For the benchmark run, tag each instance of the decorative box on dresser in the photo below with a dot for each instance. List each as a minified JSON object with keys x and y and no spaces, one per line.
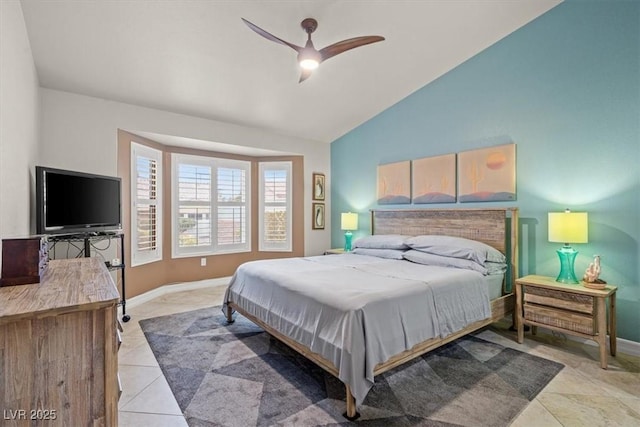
{"x":58,"y":347}
{"x":570,"y":308}
{"x":23,"y":260}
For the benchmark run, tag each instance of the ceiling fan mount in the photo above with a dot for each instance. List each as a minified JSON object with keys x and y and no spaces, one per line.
{"x":308,"y":56}
{"x":309,"y":25}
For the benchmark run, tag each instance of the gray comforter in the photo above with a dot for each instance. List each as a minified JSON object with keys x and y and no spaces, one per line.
{"x":357,"y":310}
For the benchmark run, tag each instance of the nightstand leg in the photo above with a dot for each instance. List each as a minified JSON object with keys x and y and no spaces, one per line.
{"x":602,"y":332}
{"x":519,"y":325}
{"x":612,"y":324}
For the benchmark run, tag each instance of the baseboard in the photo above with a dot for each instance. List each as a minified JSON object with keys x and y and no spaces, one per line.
{"x":628,"y":347}
{"x":631,"y":348}
{"x":178,"y":287}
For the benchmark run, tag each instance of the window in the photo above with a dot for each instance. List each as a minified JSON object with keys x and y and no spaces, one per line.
{"x":211,"y":205}
{"x":275,"y":206}
{"x":146,"y":210}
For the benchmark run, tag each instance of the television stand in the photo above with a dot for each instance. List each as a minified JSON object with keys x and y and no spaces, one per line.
{"x":88,"y":241}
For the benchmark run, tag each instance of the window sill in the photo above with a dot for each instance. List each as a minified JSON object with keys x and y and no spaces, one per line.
{"x":206,"y":254}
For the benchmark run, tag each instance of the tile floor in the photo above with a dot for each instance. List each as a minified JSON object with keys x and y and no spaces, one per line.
{"x":581,"y":395}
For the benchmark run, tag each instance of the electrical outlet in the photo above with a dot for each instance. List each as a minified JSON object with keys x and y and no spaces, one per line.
{"x":203,"y":262}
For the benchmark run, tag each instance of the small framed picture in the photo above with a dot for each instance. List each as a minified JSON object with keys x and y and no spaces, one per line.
{"x":318,"y":187}
{"x":318,"y":216}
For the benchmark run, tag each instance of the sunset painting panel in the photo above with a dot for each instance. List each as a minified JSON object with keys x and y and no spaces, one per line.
{"x":434,"y":179}
{"x":487,"y":174}
{"x":394,"y":183}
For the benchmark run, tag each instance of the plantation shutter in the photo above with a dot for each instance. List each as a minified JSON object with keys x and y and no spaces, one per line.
{"x":275,"y":206}
{"x":194,"y":210}
{"x":232,"y":210}
{"x":146,"y":204}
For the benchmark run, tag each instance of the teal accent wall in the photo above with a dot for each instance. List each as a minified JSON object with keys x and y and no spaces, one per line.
{"x":566,"y":90}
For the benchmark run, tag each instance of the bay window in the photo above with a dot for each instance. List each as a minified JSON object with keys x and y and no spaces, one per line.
{"x":210,"y":205}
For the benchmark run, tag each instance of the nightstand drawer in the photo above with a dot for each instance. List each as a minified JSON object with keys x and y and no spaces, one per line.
{"x":563,"y":319}
{"x":559,"y":299}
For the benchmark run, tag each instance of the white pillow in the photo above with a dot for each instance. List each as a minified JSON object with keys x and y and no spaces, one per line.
{"x":456,"y":247}
{"x":425,"y":258}
{"x":381,"y":241}
{"x":380,"y":253}
{"x":496,"y":267}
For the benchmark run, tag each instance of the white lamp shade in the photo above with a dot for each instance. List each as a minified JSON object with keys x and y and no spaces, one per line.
{"x":349,"y":221}
{"x":568,"y":227}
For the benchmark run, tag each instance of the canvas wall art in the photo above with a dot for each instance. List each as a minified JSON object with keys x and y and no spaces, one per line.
{"x":487,"y":174}
{"x":433,"y":179}
{"x":394,"y":183}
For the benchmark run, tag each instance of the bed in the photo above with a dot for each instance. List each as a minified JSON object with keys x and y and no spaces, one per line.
{"x":357,"y":316}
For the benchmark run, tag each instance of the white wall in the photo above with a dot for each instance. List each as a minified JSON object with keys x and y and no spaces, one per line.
{"x":80,"y":133}
{"x":19,"y":110}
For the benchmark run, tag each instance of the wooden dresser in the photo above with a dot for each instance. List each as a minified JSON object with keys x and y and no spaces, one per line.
{"x":58,"y":348}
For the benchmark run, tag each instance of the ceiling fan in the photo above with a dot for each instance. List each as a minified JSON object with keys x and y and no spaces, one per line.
{"x":308,"y":56}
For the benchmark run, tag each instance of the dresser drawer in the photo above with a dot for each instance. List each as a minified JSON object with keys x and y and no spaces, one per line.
{"x":559,"y":299}
{"x":562,"y":319}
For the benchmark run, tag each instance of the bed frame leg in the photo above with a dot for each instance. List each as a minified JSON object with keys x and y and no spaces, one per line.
{"x":230,"y":319}
{"x":351,"y":413}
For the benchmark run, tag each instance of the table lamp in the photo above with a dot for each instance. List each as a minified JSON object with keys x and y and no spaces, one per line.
{"x":568,"y":227}
{"x":349,"y":222}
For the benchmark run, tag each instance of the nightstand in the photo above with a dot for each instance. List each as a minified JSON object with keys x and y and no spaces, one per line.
{"x":572,"y":309}
{"x":335,"y":251}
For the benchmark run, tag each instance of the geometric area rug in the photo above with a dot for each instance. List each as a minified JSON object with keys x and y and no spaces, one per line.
{"x":237,"y":375}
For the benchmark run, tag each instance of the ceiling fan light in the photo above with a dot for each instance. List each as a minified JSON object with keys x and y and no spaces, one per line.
{"x":309,"y":58}
{"x":309,"y":64}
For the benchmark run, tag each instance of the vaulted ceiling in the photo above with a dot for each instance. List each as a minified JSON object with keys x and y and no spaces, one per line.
{"x":199,"y":58}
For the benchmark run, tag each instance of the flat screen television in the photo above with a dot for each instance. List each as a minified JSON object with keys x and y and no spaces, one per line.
{"x":69,"y":202}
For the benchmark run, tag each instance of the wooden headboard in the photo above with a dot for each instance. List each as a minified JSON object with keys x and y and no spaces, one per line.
{"x":485,"y":225}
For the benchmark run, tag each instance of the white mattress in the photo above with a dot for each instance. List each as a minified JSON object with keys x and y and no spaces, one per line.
{"x":494,"y":285}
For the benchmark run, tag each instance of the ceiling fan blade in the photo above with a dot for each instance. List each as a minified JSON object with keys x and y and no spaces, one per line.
{"x":304,"y":75}
{"x":339,"y":47}
{"x":270,"y":36}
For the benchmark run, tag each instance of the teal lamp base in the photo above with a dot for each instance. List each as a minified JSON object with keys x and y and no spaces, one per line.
{"x":348,"y":236}
{"x":567,"y":257}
